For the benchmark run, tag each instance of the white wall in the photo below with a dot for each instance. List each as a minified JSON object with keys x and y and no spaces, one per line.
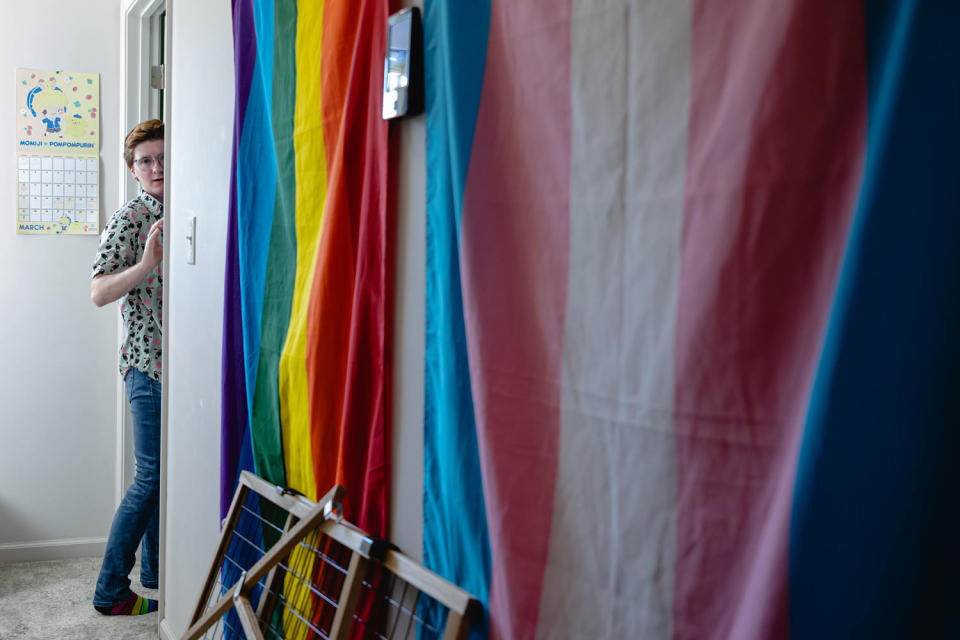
{"x":406,"y":522}
{"x":199,"y":145}
{"x":58,"y":351}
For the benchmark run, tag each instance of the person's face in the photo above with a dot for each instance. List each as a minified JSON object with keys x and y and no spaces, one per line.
{"x":147,"y":167}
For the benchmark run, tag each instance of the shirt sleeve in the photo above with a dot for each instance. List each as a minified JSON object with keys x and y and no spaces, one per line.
{"x":118,"y":244}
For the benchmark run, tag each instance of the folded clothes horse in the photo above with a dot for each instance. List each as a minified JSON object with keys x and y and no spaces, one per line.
{"x":286,"y":567}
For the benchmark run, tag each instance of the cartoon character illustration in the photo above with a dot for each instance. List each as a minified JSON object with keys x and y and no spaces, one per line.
{"x":75,"y":126}
{"x":48,"y":102}
{"x":64,"y":222}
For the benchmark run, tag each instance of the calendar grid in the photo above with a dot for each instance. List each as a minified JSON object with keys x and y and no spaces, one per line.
{"x":58,"y":194}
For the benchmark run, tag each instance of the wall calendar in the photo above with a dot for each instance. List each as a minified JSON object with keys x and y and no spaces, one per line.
{"x":58,"y":151}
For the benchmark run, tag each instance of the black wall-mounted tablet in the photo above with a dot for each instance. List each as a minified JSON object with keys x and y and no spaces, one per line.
{"x":403,"y":65}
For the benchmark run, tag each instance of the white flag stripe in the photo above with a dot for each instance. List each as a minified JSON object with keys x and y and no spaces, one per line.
{"x":610,"y":569}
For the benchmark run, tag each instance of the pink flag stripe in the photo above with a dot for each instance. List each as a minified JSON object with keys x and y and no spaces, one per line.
{"x":515,"y":239}
{"x":776,"y":144}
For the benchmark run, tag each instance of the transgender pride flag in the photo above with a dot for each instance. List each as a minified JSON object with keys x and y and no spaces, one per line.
{"x":693,"y":316}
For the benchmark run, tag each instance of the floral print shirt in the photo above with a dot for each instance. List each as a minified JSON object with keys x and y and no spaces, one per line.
{"x":121,"y":246}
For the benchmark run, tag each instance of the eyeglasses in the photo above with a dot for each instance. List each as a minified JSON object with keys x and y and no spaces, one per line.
{"x":146,"y":162}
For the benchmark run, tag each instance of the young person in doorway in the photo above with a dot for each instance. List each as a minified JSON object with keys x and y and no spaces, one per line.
{"x":128,"y":268}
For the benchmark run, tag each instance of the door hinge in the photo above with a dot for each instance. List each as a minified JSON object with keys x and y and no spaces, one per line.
{"x":156,"y":77}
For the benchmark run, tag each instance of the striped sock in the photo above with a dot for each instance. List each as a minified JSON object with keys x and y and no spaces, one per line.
{"x":133,"y":606}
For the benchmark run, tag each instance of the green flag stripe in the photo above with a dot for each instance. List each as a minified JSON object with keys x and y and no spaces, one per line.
{"x":282,"y":256}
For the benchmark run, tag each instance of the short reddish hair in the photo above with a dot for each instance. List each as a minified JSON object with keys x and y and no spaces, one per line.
{"x":146,"y":130}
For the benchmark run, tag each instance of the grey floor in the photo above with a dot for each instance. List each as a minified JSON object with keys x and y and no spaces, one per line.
{"x":52,"y":601}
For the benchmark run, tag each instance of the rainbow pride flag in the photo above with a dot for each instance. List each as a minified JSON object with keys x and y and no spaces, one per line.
{"x":307,"y":293}
{"x":693,"y":316}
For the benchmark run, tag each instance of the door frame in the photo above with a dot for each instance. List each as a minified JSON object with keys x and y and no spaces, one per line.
{"x":140,"y":34}
{"x":140,"y":51}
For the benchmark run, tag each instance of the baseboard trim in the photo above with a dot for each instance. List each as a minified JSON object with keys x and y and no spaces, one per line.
{"x":51,"y":549}
{"x":165,"y":632}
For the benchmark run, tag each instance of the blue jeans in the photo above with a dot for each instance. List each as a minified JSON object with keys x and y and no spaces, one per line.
{"x":138,"y":516}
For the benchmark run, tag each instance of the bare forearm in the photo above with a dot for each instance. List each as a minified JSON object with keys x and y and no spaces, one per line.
{"x":108,"y":288}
